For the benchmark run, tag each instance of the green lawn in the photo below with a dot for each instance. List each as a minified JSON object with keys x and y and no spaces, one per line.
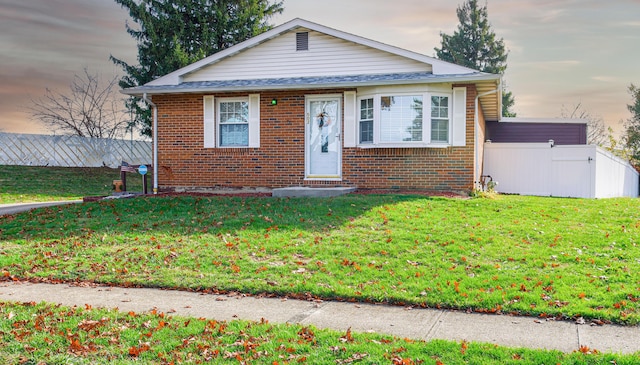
{"x":22,"y":184}
{"x":535,"y":256}
{"x":563,"y":258}
{"x":50,"y":334}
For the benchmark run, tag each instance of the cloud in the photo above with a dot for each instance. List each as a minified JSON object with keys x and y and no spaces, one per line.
{"x":18,"y":87}
{"x":628,"y":24}
{"x":409,"y":24}
{"x":44,"y":43}
{"x":605,"y":78}
{"x":550,"y":15}
{"x":62,"y":32}
{"x":551,"y":65}
{"x":19,"y":122}
{"x":582,"y":48}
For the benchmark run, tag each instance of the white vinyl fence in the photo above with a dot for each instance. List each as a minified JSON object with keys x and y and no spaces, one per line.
{"x":583,"y":171}
{"x":71,"y":151}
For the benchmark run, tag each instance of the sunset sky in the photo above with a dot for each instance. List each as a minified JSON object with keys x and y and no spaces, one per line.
{"x":561,"y":52}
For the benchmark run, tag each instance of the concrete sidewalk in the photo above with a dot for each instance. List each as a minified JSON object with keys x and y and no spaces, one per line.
{"x":426,"y":324}
{"x":6,"y":209}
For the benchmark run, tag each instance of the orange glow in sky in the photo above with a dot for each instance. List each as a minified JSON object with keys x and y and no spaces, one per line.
{"x":562,"y":52}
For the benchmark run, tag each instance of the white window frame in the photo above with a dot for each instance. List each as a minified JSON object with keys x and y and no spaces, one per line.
{"x":219,"y":124}
{"x":426,"y":120}
{"x":377,"y":102}
{"x":360,"y":120}
{"x":449,"y":97}
{"x":212,"y":126}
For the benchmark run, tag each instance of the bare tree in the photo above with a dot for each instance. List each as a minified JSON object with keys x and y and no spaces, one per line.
{"x":90,"y":109}
{"x":596,"y":130}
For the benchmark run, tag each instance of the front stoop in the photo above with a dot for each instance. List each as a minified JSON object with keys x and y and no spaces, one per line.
{"x":307,"y":192}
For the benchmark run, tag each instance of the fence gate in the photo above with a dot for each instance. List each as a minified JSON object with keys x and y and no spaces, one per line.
{"x":571,"y":173}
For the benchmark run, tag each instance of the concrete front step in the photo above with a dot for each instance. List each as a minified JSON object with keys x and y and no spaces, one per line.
{"x":303,"y":191}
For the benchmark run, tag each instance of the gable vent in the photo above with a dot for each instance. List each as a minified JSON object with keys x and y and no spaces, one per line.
{"x":302,"y":41}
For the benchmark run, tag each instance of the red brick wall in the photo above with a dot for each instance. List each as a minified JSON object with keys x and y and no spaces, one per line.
{"x":279,"y":162}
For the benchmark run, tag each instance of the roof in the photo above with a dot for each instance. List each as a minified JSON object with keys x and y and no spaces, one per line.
{"x":440,"y":71}
{"x":308,"y":82}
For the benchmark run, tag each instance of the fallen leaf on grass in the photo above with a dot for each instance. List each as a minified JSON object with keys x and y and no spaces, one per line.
{"x":135,"y":351}
{"x":76,"y":348}
{"x":587,"y":351}
{"x":88,"y":325}
{"x":347,"y":337}
{"x":353,"y":358}
{"x":464,"y":345}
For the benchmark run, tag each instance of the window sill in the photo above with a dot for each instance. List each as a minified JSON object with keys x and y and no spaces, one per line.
{"x":323,"y":178}
{"x":403,"y":145}
{"x":439,"y":145}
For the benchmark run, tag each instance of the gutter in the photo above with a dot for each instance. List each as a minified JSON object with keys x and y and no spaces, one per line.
{"x":478,"y":163}
{"x":154,"y":138}
{"x":247,"y":85}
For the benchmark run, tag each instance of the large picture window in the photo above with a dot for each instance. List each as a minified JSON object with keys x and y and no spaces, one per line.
{"x":401,"y":118}
{"x":233,"y":121}
{"x":384,"y":118}
{"x":397,"y":120}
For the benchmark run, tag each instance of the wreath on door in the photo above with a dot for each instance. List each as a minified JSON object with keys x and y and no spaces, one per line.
{"x":323,"y":121}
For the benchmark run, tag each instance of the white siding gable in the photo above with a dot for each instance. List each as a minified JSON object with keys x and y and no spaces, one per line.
{"x":327,"y":56}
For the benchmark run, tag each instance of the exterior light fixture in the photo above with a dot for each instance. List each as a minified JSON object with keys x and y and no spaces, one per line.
{"x":274,"y":101}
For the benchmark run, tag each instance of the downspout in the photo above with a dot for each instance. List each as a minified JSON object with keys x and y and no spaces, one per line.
{"x":155,"y":141}
{"x":478,"y":163}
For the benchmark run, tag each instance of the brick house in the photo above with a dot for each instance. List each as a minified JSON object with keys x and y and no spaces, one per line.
{"x":307,"y":105}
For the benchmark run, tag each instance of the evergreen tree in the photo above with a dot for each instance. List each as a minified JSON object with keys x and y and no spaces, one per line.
{"x":174,"y":33}
{"x":475,"y":45}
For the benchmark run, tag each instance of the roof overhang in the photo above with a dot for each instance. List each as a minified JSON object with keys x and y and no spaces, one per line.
{"x":488,"y":86}
{"x":306,"y":83}
{"x":490,"y":98}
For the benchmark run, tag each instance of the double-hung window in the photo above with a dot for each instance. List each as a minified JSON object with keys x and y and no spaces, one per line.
{"x":233,"y":122}
{"x":366,"y":121}
{"x":440,"y":119}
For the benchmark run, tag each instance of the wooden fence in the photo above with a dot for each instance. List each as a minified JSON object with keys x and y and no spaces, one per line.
{"x":70,"y":151}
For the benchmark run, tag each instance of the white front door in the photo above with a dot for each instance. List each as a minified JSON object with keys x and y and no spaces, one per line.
{"x":323,"y":147}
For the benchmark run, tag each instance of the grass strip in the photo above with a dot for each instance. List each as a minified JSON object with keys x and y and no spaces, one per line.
{"x":24,"y":184}
{"x":41,"y":333}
